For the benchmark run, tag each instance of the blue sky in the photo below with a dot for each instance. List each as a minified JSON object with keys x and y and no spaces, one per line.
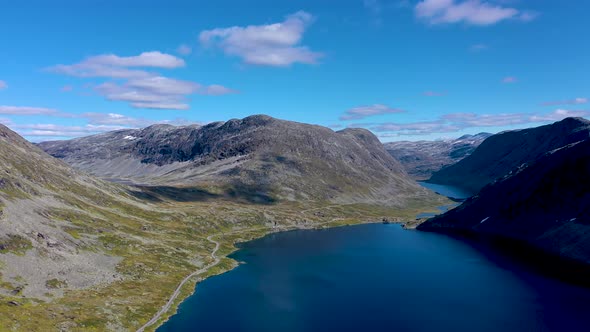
{"x":406,"y":70}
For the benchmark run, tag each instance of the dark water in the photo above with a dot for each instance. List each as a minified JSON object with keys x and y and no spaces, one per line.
{"x":379,"y":278}
{"x":449,"y":191}
{"x":441,"y":209}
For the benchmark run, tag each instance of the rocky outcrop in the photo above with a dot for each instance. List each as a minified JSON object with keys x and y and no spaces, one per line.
{"x":422,"y":158}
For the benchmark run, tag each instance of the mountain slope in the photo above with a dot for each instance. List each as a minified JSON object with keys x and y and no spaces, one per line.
{"x":545,"y":204}
{"x":32,"y":186}
{"x":78,"y":253}
{"x":504,"y":152}
{"x":259,"y":156}
{"x":422,"y":158}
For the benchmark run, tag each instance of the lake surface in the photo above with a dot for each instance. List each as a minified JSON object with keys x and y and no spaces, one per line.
{"x":378,"y":277}
{"x":449,"y":191}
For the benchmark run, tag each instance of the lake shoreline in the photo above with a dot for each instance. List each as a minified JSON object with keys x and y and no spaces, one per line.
{"x":268,"y":276}
{"x":173,"y":310}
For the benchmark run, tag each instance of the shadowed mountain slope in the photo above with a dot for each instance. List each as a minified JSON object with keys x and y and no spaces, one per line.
{"x":258,"y":155}
{"x":545,"y":203}
{"x":504,"y":152}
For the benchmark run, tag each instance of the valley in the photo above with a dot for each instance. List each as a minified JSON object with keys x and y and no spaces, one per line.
{"x":300,"y":166}
{"x":83,"y":252}
{"x":88,"y":250}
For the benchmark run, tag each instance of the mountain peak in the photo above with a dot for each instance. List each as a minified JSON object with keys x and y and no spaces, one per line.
{"x":572,"y":123}
{"x":261,"y":153}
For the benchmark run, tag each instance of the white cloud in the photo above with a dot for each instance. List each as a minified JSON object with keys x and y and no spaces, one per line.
{"x":146,"y":59}
{"x":142,"y":89}
{"x":509,"y":79}
{"x":478,"y":47}
{"x":164,"y":86}
{"x":161,"y":105}
{"x":53,"y":130}
{"x":96,"y":70}
{"x":275,"y":44}
{"x":157,"y":92}
{"x":96,"y":123}
{"x":362,"y":112}
{"x":114,"y":66}
{"x":115,"y":119}
{"x":575,"y":101}
{"x":454,"y":122}
{"x":67,"y":88}
{"x":559,"y":114}
{"x":184,"y":49}
{"x":474,"y":12}
{"x":3,"y":85}
{"x":217,"y":90}
{"x":26,"y":110}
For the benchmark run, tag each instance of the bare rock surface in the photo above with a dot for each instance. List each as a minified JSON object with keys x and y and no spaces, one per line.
{"x":258,"y":156}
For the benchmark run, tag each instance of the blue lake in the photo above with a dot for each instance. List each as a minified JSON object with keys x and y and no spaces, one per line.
{"x":378,"y":277}
{"x":449,"y":191}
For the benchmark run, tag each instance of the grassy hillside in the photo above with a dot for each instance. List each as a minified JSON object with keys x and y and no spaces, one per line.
{"x":78,"y":253}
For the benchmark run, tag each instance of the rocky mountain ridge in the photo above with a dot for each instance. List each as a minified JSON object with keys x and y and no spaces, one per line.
{"x":258,"y":154}
{"x":422,"y":158}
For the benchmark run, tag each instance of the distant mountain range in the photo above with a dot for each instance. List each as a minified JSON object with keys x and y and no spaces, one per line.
{"x":260,"y":156}
{"x":541,"y":195}
{"x":422,"y":158}
{"x":500,"y":154}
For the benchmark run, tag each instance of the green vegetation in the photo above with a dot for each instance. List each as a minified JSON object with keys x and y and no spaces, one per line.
{"x":15,"y":244}
{"x":155,"y":238}
{"x":160,"y":246}
{"x":56,"y":283}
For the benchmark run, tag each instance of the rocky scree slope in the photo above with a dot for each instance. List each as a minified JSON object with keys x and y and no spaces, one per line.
{"x":422,"y":158}
{"x":40,"y":251}
{"x":257,"y":156}
{"x":501,"y":153}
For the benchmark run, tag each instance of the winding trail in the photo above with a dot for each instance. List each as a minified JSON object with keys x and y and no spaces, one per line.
{"x":216,"y":261}
{"x":174,"y":295}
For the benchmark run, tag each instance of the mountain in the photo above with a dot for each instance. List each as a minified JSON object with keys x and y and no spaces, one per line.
{"x":422,"y":158}
{"x":507,"y":151}
{"x":545,"y":203}
{"x":79,"y":253}
{"x":259,"y":156}
{"x":40,"y":241}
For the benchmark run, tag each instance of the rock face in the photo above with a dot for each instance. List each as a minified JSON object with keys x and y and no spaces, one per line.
{"x":422,"y":158}
{"x":500,"y":154}
{"x":259,"y":155}
{"x":545,"y":203}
